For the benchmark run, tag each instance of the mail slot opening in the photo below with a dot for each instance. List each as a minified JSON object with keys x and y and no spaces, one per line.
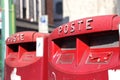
{"x":101,"y":39}
{"x":13,"y":48}
{"x":30,"y":46}
{"x":105,"y":40}
{"x":66,"y":43}
{"x":66,"y":50}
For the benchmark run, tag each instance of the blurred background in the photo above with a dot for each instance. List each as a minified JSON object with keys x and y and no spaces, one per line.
{"x":45,"y":15}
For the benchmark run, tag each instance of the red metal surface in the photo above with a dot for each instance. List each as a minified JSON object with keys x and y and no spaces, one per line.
{"x":85,"y":49}
{"x":21,"y":62}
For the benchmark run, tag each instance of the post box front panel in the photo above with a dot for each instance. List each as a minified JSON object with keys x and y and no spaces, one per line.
{"x":85,"y":53}
{"x":21,"y":59}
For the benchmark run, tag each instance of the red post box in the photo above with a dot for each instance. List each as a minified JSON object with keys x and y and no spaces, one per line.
{"x":85,"y":49}
{"x":26,"y":56}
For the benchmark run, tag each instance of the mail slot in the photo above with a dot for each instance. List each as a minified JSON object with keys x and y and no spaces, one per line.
{"x":85,"y":49}
{"x":26,"y":56}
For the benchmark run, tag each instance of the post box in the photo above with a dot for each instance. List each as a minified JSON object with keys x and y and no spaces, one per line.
{"x":26,"y":56}
{"x":85,"y":49}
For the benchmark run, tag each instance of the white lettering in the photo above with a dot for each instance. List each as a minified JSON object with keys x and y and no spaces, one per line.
{"x":60,"y":29}
{"x":88,"y":26}
{"x":21,"y":36}
{"x":79,"y":24}
{"x":14,"y":39}
{"x":17,"y":37}
{"x":66,"y":29}
{"x":72,"y":27}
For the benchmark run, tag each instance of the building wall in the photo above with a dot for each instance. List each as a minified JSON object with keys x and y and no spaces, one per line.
{"x":32,"y":10}
{"x":68,"y":11}
{"x":49,"y":11}
{"x":84,"y":8}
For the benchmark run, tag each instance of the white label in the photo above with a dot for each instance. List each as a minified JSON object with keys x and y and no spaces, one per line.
{"x":114,"y":74}
{"x":43,"y":24}
{"x":39,"y":47}
{"x":14,"y":75}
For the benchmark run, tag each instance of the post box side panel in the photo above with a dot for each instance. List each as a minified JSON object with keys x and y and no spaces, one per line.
{"x":45,"y":58}
{"x":26,"y":72}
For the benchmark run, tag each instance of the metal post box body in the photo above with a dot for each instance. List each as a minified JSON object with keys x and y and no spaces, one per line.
{"x":85,"y":49}
{"x":22,"y":59}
